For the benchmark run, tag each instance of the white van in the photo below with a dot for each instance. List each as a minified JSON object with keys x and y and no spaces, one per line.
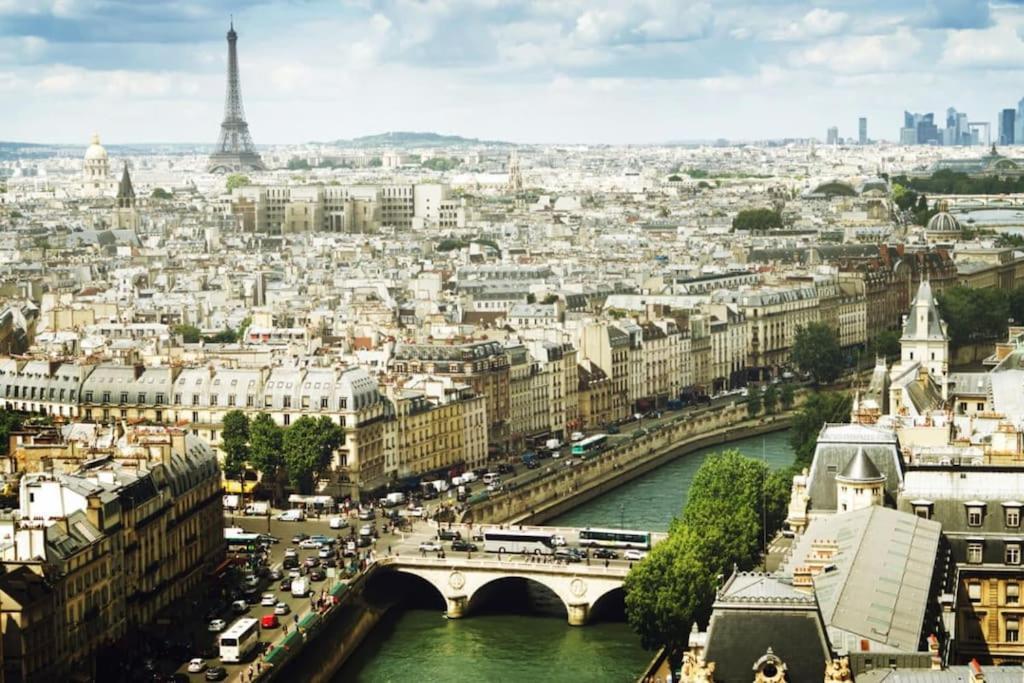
{"x":490,"y":477}
{"x":294,"y":515}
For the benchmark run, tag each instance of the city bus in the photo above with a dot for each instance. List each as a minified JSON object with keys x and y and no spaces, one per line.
{"x":510,"y":541}
{"x":615,"y":538}
{"x":241,"y":542}
{"x":590,"y":446}
{"x":239,"y":640}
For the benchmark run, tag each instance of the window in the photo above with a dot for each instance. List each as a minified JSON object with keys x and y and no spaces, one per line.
{"x":268,"y":401}
{"x":195,"y":399}
{"x":1012,"y":517}
{"x":124,"y":397}
{"x":974,"y":591}
{"x":213,"y":399}
{"x":195,"y":416}
{"x":1011,"y":554}
{"x":923,"y":511}
{"x":142,"y":398}
{"x":250,"y":401}
{"x":106,"y":397}
{"x":177,"y":399}
{"x":1012,"y":629}
{"x":323,"y":403}
{"x":342,"y":403}
{"x":981,"y":406}
{"x":287,"y":419}
{"x":975,"y":515}
{"x":287,"y":401}
{"x":159,"y":399}
{"x":305,"y":402}
{"x":963,"y":407}
{"x":231,"y":400}
{"x":974,"y":553}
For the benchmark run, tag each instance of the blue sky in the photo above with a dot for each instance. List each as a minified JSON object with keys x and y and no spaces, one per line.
{"x":610,"y":71}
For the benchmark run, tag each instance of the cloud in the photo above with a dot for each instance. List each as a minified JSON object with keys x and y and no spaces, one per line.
{"x":997,"y":47}
{"x":817,"y":23}
{"x":952,"y":14}
{"x":860,"y":54}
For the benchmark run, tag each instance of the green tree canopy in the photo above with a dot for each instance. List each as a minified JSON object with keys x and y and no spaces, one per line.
{"x":816,"y":351}
{"x":787,"y":396}
{"x":770,"y":399}
{"x":976,"y":314}
{"x":9,"y":422}
{"x":235,"y":442}
{"x":236,"y":180}
{"x":757,"y":220}
{"x":887,"y":344}
{"x":308,"y":447}
{"x":819,"y":408}
{"x":190,"y":334}
{"x":753,"y":402}
{"x":160,"y":193}
{"x":297,"y":164}
{"x":106,"y":239}
{"x":265,"y":441}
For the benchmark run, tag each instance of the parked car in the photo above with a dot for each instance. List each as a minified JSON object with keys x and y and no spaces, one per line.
{"x":634,"y":555}
{"x":430,"y":546}
{"x":196,"y":666}
{"x":459,"y":544}
{"x":291,"y":552}
{"x":216,"y":625}
{"x":282,"y":608}
{"x":268,"y":600}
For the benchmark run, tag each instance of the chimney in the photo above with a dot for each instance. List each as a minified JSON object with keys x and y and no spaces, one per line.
{"x":933,"y":650}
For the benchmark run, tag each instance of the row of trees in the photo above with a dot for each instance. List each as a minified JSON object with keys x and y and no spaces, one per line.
{"x":722,"y":526}
{"x":917,"y":204}
{"x":954,"y":182}
{"x":770,"y":399}
{"x":735,"y":503}
{"x":191,"y":334}
{"x":298,"y":454}
{"x":979,"y":314}
{"x":757,"y":220}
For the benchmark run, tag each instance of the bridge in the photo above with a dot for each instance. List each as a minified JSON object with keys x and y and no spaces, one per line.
{"x":458,"y":579}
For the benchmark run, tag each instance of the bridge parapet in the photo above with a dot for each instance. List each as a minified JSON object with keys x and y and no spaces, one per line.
{"x":458,"y":580}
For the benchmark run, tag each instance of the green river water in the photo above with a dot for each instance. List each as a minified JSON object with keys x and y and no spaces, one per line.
{"x":533,"y":642}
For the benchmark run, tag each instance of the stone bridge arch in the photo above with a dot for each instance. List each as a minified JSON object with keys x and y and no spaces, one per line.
{"x":579,"y":587}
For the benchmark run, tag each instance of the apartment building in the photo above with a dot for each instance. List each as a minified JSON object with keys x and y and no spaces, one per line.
{"x":608,"y":347}
{"x":529,"y":402}
{"x":559,"y":371}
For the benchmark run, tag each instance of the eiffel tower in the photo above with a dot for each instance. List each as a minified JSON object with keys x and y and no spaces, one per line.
{"x":235,"y":151}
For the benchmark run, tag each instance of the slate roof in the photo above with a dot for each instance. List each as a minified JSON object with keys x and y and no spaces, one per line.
{"x":953,"y":674}
{"x":879,"y":585}
{"x":837,"y":445}
{"x":930,"y":327}
{"x":860,"y":468}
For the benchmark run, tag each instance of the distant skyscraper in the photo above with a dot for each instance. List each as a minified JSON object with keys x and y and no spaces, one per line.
{"x":832,"y":138}
{"x":235,"y":151}
{"x":515,"y":176}
{"x":1018,"y":128}
{"x":1007,"y":126}
{"x":862,"y":130}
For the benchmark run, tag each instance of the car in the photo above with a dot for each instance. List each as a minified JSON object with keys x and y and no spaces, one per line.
{"x":366,"y":530}
{"x":311,"y":561}
{"x":634,"y":555}
{"x":448,"y":534}
{"x":364,"y":542}
{"x":196,"y":666}
{"x":216,"y":625}
{"x":611,"y":429}
{"x":291,"y":552}
{"x":216,"y":673}
{"x":286,"y":583}
{"x":274,"y":575}
{"x":415,"y":512}
{"x":569,"y":554}
{"x":290,"y":563}
{"x":268,"y":600}
{"x":349,"y":550}
{"x":330,"y":562}
{"x":430,"y":547}
{"x":239,"y":607}
{"x":282,"y":608}
{"x":269,"y":540}
{"x":317,"y":575}
{"x":298,"y":538}
{"x":605,"y":554}
{"x":366,"y":514}
{"x":269,"y":621}
{"x":532,"y":464}
{"x":505,"y":468}
{"x":459,"y":544}
{"x":308,"y":543}
{"x":337,"y":522}
{"x":322,"y":540}
{"x":291,"y":516}
{"x":324,"y":553}
{"x":293,"y":573}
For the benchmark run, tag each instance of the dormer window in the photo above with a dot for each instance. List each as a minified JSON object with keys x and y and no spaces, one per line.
{"x":975,"y":513}
{"x":1011,"y":514}
{"x":923,"y":508}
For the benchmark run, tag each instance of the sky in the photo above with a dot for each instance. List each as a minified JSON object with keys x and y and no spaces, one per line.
{"x":540,"y":71}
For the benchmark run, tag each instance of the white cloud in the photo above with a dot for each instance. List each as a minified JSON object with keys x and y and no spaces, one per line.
{"x":860,"y":54}
{"x":998,"y":46}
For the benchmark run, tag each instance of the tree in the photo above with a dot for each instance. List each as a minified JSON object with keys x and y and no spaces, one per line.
{"x":976,"y":314}
{"x":265,"y":440}
{"x":816,"y":351}
{"x":669,"y":590}
{"x":190,"y":334}
{"x":770,"y":399}
{"x":757,"y":220}
{"x":9,"y":422}
{"x":296,"y":164}
{"x":161,"y":193}
{"x":236,"y":180}
{"x":787,"y":396}
{"x":308,"y":448}
{"x":106,"y":239}
{"x":819,"y":408}
{"x":754,"y":402}
{"x":887,"y":344}
{"x":375,"y":162}
{"x":235,"y":442}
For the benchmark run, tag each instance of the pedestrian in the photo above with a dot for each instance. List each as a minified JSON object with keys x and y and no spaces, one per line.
{"x":389,"y":550}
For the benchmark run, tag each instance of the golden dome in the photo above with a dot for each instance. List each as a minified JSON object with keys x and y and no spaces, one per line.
{"x":95,"y":151}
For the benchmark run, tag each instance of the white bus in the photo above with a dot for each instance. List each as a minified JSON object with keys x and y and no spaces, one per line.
{"x":510,"y":541}
{"x":239,"y":640}
{"x":615,"y":538}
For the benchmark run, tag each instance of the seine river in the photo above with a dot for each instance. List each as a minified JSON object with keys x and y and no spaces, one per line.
{"x":420,"y":645}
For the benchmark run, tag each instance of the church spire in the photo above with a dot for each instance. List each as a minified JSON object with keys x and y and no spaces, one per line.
{"x":125,"y":191}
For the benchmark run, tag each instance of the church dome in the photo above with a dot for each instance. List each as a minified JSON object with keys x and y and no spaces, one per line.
{"x":96,"y":151}
{"x":943,"y":221}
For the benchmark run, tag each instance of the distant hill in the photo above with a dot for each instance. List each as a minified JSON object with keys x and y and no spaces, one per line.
{"x":412,"y":139}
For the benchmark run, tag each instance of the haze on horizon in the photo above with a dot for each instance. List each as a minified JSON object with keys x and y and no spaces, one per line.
{"x":605,"y":71}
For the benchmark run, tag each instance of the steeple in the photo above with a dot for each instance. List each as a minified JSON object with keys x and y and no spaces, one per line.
{"x":125,"y":191}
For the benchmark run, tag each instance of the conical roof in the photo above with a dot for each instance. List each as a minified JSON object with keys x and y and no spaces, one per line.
{"x":125,"y":191}
{"x":860,"y":469}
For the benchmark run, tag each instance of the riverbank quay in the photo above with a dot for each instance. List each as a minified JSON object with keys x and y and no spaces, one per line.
{"x":580,"y":481}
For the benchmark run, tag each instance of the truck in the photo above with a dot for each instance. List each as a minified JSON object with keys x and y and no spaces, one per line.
{"x":299,"y":587}
{"x":440,"y":485}
{"x":394,"y":499}
{"x":231,"y":501}
{"x":259,"y":507}
{"x":553,"y":444}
